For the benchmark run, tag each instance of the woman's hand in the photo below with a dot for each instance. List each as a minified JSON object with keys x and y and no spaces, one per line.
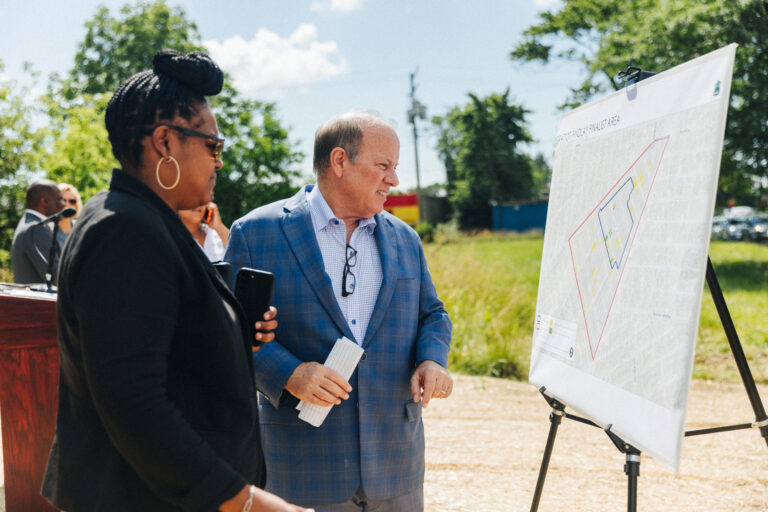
{"x":213,"y":218}
{"x":262,"y":502}
{"x":217,"y":224}
{"x":264,"y":328}
{"x":268,"y":502}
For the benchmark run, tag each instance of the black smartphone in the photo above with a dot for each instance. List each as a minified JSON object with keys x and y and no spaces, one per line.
{"x":253,"y":289}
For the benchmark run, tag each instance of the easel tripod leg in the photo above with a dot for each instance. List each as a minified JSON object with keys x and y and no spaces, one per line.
{"x":555,"y":418}
{"x":736,"y":349}
{"x":632,"y":469}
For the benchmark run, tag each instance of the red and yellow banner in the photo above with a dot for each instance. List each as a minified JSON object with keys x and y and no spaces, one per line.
{"x":405,"y":207}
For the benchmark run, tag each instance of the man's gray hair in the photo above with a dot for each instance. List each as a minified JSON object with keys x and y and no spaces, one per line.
{"x":346,"y":132}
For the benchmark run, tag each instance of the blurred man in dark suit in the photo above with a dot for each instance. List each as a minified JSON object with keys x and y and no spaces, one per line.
{"x":31,"y":245}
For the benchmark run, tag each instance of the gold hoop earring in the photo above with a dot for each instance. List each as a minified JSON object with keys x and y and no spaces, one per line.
{"x":157,"y":172}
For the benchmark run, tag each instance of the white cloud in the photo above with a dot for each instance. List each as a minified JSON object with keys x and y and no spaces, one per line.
{"x":336,"y":5}
{"x":268,"y":63}
{"x":545,"y":5}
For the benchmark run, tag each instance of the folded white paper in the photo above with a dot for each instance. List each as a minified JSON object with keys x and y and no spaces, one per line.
{"x":343,"y":359}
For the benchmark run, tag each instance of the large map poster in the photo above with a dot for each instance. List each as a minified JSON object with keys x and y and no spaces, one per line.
{"x":625,"y":250}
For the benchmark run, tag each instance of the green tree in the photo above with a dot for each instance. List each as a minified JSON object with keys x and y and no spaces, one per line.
{"x":542,"y":175}
{"x":258,"y":157}
{"x":259,"y":160}
{"x":19,"y":142}
{"x":479,"y":145}
{"x":606,"y":36}
{"x":116,"y":48}
{"x":76,"y":149}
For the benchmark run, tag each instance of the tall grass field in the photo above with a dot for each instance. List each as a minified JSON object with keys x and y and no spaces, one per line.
{"x":489,"y":284}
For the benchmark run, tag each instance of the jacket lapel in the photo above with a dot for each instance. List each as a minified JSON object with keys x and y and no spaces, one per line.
{"x":300,"y":235}
{"x":185,"y":238}
{"x":387,"y":242}
{"x":229,"y":296}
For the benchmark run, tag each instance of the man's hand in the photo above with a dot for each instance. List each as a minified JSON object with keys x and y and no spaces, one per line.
{"x":430,"y":380}
{"x":317,"y":384}
{"x":264,"y":329}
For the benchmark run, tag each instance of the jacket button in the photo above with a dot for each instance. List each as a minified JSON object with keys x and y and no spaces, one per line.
{"x":364,"y":356}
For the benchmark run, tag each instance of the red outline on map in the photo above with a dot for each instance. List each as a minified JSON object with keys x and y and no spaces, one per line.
{"x":570,"y":248}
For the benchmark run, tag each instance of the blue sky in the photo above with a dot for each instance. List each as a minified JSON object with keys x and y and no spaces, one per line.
{"x":319,"y":58}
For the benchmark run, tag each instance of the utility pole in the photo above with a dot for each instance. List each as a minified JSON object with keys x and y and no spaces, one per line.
{"x":417,"y":110}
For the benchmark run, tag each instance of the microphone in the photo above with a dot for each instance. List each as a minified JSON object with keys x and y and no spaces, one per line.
{"x":66,"y":212}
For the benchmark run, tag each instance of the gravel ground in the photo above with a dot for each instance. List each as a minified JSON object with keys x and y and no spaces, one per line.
{"x":484,"y":447}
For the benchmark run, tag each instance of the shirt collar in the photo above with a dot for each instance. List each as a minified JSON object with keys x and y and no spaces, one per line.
{"x":35,"y":213}
{"x":322,"y":215}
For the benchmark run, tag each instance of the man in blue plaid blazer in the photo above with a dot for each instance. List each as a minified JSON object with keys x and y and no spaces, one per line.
{"x":344,"y":267}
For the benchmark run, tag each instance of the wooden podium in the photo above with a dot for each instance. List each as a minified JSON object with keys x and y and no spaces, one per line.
{"x":29,"y":367}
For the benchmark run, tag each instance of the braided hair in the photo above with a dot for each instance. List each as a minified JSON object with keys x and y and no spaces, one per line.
{"x":175,"y":83}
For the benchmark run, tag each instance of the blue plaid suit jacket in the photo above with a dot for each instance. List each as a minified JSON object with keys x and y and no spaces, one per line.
{"x":376,"y":437}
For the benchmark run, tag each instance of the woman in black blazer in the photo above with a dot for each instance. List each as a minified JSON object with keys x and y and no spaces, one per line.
{"x":157,"y":406}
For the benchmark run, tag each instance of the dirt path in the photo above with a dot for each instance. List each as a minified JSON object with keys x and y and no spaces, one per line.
{"x":484,"y":447}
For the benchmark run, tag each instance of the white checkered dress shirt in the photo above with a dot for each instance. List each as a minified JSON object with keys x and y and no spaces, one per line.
{"x":331,"y":236}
